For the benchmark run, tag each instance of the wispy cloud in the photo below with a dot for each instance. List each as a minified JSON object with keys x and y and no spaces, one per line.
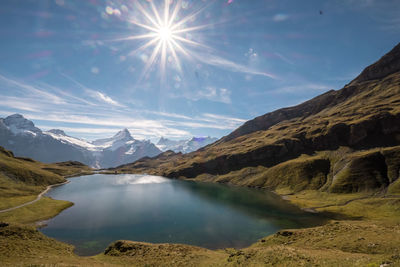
{"x":55,"y":108}
{"x":212,"y":121}
{"x":103,"y":97}
{"x":229,"y":65}
{"x":97,"y":95}
{"x":222,"y":117}
{"x":211,"y":93}
{"x":280,"y":17}
{"x":214,"y":94}
{"x":30,"y":89}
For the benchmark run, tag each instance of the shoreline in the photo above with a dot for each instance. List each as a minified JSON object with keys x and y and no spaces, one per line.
{"x":36,"y":199}
{"x":289,"y":241}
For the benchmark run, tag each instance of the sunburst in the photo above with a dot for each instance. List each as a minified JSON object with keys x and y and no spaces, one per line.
{"x":165,"y":34}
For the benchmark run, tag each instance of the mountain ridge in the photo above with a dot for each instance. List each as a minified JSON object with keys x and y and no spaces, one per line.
{"x":22,"y":137}
{"x":363,"y":115}
{"x":184,"y":146}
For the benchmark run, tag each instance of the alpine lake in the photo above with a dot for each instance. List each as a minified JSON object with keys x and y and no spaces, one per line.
{"x":161,"y":210}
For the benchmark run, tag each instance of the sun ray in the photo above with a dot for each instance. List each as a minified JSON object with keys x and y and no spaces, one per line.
{"x":147,"y":15}
{"x":149,"y":43}
{"x":180,"y":48}
{"x":195,"y":28}
{"x":163,"y":60}
{"x":153,"y":7}
{"x":166,"y":13}
{"x":174,"y":13}
{"x":187,"y":18}
{"x":190,"y":42}
{"x":136,"y":37}
{"x":176,"y":59}
{"x":151,"y":60}
{"x":143,"y":25}
{"x":165,"y":34}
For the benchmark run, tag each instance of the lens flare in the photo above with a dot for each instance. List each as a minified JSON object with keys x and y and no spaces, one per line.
{"x":165,"y":33}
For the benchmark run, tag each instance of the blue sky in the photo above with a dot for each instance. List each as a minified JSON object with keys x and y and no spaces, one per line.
{"x":75,"y":65}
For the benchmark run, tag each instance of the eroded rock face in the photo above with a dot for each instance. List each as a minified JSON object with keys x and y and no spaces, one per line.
{"x":361,"y":173}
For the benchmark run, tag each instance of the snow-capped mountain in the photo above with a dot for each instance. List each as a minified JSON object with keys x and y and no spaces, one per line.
{"x":184,"y":146}
{"x":73,"y":141}
{"x":17,"y":124}
{"x":122,"y":148}
{"x":22,"y":137}
{"x":114,"y":142}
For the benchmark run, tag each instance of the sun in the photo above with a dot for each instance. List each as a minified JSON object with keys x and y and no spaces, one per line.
{"x":165,"y":33}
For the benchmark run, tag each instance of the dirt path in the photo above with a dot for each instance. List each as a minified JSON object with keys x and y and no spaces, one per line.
{"x":37,"y":198}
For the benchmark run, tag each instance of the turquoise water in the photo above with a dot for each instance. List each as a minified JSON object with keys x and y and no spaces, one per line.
{"x":156,"y":209}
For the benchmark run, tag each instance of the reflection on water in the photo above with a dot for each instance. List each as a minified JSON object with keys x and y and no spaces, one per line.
{"x":157,"y":209}
{"x":140,"y":179}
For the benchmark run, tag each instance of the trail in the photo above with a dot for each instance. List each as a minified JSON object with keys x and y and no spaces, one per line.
{"x":35,"y":200}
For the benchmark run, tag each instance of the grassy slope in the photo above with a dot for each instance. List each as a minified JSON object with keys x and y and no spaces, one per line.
{"x":22,"y":179}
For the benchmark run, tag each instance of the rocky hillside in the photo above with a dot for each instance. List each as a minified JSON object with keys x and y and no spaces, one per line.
{"x":327,"y":143}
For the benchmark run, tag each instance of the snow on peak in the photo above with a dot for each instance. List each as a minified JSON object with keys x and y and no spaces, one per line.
{"x":66,"y":139}
{"x":123,"y":134}
{"x":57,"y":132}
{"x":184,"y":146}
{"x":115,"y":142}
{"x":17,"y":124}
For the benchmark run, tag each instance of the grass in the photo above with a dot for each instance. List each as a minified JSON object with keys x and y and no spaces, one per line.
{"x":380,"y":209}
{"x":22,"y":179}
{"x":313,"y":198}
{"x":43,"y":209}
{"x":8,"y":202}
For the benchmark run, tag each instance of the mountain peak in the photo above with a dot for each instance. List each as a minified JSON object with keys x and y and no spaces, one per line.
{"x":386,"y":65}
{"x":57,"y":131}
{"x":19,"y":124}
{"x":124,"y":134}
{"x":15,"y":116}
{"x":162,"y":141}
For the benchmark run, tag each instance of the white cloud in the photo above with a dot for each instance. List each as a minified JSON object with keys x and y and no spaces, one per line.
{"x":103,"y":97}
{"x":29,"y":90}
{"x":302,"y":88}
{"x":99,"y":96}
{"x":280,"y":17}
{"x":222,"y":117}
{"x":230,"y":65}
{"x":211,"y":93}
{"x":56,"y":108}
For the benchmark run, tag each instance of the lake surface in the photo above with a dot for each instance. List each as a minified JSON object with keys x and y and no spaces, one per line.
{"x":158,"y":210}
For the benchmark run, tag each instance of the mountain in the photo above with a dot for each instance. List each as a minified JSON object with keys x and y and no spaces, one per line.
{"x":123,"y":148}
{"x":345,"y":140}
{"x":184,"y":146}
{"x":20,"y":135}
